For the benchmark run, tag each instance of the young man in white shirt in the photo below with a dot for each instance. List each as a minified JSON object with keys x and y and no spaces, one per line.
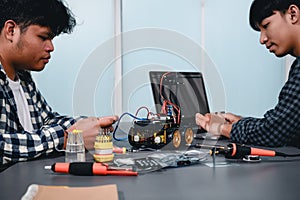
{"x":28,"y":126}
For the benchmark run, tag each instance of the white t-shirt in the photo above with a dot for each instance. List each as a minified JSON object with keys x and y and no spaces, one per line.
{"x":22,"y":105}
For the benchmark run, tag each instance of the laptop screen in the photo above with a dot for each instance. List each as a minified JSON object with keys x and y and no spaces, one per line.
{"x":184,"y":89}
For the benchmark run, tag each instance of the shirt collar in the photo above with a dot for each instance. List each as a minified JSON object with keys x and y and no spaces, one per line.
{"x":22,"y":75}
{"x":2,"y":73}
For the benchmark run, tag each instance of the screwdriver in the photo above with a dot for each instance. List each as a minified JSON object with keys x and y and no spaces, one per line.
{"x":89,"y":169}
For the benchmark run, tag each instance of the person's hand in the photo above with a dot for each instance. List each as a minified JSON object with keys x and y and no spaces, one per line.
{"x":217,"y":123}
{"x":91,"y":126}
{"x":211,"y":122}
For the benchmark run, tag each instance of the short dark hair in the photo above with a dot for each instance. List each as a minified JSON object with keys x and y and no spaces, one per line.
{"x":261,"y":9}
{"x":48,"y":13}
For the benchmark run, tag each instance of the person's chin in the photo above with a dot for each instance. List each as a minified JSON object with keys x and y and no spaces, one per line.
{"x":38,"y":68}
{"x":279,"y":54}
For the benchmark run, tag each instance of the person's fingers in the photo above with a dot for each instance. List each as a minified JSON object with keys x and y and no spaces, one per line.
{"x":107,"y":121}
{"x":231,"y":117}
{"x":198,"y":118}
{"x":108,"y":129}
{"x":202,"y":117}
{"x":202,"y":120}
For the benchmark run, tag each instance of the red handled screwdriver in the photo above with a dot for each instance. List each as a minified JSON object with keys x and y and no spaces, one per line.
{"x":89,"y":169}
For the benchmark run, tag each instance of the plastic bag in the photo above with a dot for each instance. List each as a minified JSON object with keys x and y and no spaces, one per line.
{"x":149,"y":162}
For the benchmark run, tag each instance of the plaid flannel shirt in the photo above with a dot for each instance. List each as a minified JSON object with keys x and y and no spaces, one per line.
{"x":279,"y":126}
{"x":49,"y":127}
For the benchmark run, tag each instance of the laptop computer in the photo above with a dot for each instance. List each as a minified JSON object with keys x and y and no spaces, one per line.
{"x":184,"y":89}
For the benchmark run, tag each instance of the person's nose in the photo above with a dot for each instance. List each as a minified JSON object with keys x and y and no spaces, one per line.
{"x":49,"y":46}
{"x":263,"y":37}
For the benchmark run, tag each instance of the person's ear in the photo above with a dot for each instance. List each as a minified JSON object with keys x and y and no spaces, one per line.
{"x":294,"y":14}
{"x":9,"y":29}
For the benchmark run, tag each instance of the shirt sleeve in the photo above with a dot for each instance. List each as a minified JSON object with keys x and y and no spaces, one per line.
{"x":49,"y":127}
{"x":25,"y":146}
{"x":279,"y":125}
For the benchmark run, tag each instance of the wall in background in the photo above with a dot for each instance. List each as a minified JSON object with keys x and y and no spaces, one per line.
{"x":95,"y":26}
{"x":250,"y":77}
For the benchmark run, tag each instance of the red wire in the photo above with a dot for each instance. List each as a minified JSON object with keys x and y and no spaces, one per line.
{"x":167,"y":102}
{"x":148,"y":112}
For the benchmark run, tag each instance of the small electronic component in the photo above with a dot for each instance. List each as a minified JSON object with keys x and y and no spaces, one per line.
{"x":154,"y":133}
{"x":158,"y":132}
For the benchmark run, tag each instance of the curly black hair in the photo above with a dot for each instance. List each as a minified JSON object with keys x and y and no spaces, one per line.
{"x":49,"y":13}
{"x":261,"y":9}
